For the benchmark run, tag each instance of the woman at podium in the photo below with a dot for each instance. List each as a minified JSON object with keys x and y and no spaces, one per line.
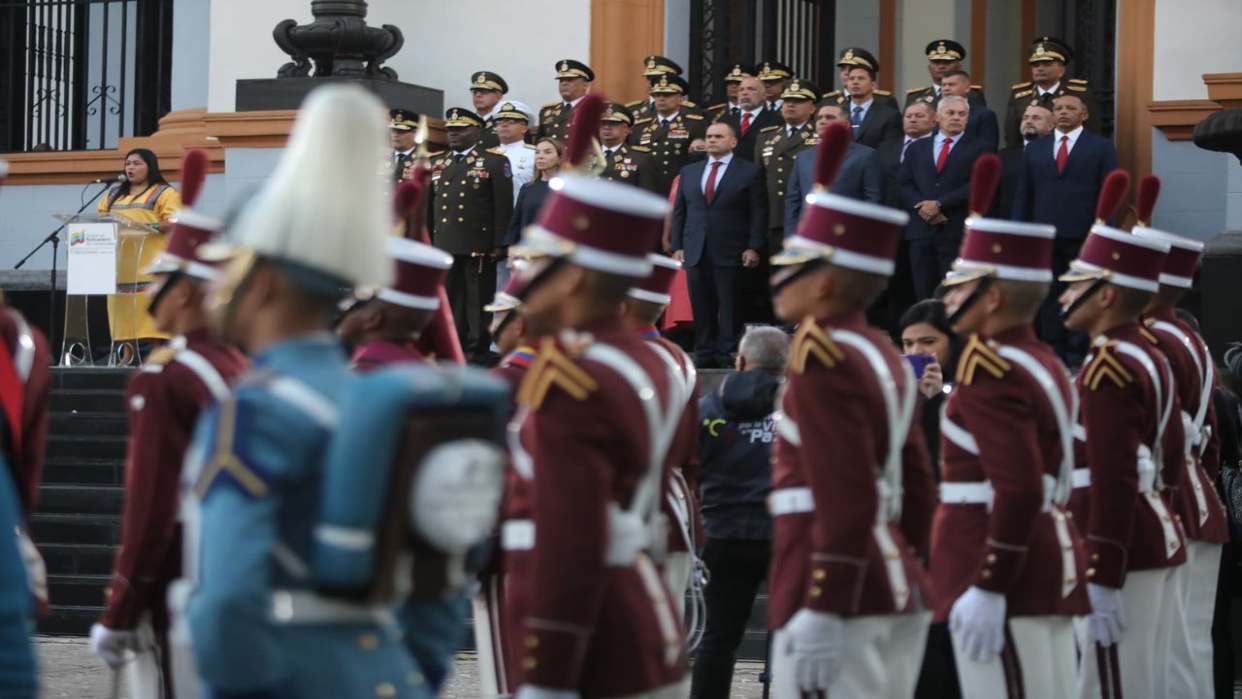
{"x":148,"y":201}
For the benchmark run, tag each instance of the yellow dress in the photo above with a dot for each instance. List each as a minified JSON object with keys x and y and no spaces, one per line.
{"x":127,"y":310}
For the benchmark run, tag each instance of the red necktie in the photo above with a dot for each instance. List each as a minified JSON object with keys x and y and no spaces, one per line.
{"x":1063,"y":155}
{"x":710,"y":190}
{"x":745,"y":123}
{"x":944,"y":154}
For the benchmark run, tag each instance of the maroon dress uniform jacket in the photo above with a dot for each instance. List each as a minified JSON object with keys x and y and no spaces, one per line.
{"x":683,"y":456}
{"x":1014,"y":547}
{"x":25,"y":452}
{"x":1126,"y":530}
{"x":380,"y":353}
{"x":830,"y":560}
{"x":1186,"y":362}
{"x":604,"y":631}
{"x":165,"y":398}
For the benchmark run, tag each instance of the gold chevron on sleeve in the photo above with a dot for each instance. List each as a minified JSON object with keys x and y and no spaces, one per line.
{"x":812,"y":340}
{"x":1106,"y":366}
{"x":553,"y":368}
{"x":1148,"y":335}
{"x":977,"y":355}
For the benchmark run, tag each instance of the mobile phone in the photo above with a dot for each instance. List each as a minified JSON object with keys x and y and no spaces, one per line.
{"x":919,"y":362}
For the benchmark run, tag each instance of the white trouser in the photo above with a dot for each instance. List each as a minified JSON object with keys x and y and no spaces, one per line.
{"x":1191,"y":674}
{"x":1039,"y":660}
{"x":144,"y":675}
{"x":881,"y":657}
{"x":677,"y":567}
{"x":186,"y":682}
{"x":488,"y":639}
{"x":1138,"y":666}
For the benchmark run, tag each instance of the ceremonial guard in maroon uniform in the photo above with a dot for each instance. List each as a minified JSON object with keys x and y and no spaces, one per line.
{"x":1196,"y":502}
{"x":596,"y":415}
{"x":384,"y":325}
{"x":1007,"y":566}
{"x":512,"y":335}
{"x":851,"y":500}
{"x":25,"y":387}
{"x":165,"y":398}
{"x":1134,"y":456}
{"x":682,"y":568}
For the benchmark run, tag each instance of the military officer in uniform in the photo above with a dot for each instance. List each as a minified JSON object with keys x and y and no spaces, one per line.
{"x":732,"y":80}
{"x":596,"y":413}
{"x":1197,"y":503}
{"x":654,"y":67}
{"x":674,"y":135}
{"x":1008,"y":567}
{"x":403,"y":130}
{"x":471,"y":203}
{"x":776,"y":77}
{"x":247,"y":613}
{"x":1048,"y":60}
{"x":176,"y":383}
{"x":625,"y":163}
{"x":573,"y":82}
{"x":487,"y":89}
{"x":851,"y":486}
{"x":512,"y":122}
{"x":1134,"y":452}
{"x":859,"y":58}
{"x":943,"y":56}
{"x":777,"y":146}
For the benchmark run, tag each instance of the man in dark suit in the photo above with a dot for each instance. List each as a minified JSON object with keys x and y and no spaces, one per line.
{"x":1036,"y":123}
{"x":935,"y":187}
{"x":1061,"y":178}
{"x":983,"y":125}
{"x":752,"y":117}
{"x":873,"y":122}
{"x":719,"y":226}
{"x":858,"y":178}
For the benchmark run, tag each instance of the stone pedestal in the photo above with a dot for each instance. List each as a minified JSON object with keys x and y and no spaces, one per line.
{"x":287,"y":93}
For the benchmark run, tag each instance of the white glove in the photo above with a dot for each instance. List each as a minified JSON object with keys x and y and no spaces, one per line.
{"x":1108,"y":616}
{"x":529,"y":691}
{"x":977,"y":622}
{"x":111,"y":644}
{"x":815,"y":640}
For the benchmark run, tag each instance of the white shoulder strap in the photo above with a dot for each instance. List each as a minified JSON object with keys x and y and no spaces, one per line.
{"x":1064,"y":407}
{"x":24,"y":348}
{"x":306,"y":399}
{"x":1206,"y":374}
{"x":203,"y":369}
{"x":1149,"y":365}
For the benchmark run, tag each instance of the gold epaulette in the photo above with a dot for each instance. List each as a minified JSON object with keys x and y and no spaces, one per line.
{"x":553,"y":368}
{"x":1076,"y":88}
{"x":1105,"y":366}
{"x":812,"y":340}
{"x":717,"y":107}
{"x":529,"y":146}
{"x":1020,"y":86}
{"x":644,"y":120}
{"x":497,"y":151}
{"x":883,"y":93}
{"x":978,"y":355}
{"x":832,"y":95}
{"x":635,"y":103}
{"x":1024,"y":93}
{"x":640,"y":149}
{"x":438,"y":154}
{"x":1077,"y":81}
{"x":913,"y":90}
{"x":1147,"y":335}
{"x":976,"y":87}
{"x":161,"y":355}
{"x":697,"y":117}
{"x":770,"y":128}
{"x":550,"y":105}
{"x":689,"y":105}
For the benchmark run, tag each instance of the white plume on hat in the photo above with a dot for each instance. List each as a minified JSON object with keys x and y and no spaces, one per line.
{"x":327,"y":204}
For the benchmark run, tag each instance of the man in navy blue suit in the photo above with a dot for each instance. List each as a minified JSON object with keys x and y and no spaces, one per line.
{"x":860,"y":176}
{"x":719,"y":226}
{"x":934,"y":180}
{"x":1061,"y":178}
{"x":983,"y":125}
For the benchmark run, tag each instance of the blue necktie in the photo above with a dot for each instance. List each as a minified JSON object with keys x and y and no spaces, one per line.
{"x":856,"y":117}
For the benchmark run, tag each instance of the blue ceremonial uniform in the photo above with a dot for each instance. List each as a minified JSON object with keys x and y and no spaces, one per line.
{"x":255,"y":473}
{"x":365,"y":522}
{"x":17,"y":664}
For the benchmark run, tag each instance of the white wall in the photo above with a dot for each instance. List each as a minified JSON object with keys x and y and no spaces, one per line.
{"x":858,"y":24}
{"x":445,"y":41}
{"x":1194,"y":37}
{"x":918,"y":22}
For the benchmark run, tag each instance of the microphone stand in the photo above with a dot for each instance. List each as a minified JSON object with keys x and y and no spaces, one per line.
{"x":54,"y":239}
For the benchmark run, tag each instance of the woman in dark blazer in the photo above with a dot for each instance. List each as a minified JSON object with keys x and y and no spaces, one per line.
{"x":548,"y":152}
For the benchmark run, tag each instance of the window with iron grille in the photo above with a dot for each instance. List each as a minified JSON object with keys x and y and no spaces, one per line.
{"x":82,"y":74}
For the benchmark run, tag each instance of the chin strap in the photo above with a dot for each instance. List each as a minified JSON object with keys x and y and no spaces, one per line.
{"x":803,"y":269}
{"x":984,"y":284}
{"x":1082,"y":298}
{"x":543,"y":276}
{"x":160,"y":295}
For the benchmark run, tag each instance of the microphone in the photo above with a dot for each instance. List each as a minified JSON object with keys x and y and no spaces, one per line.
{"x":118,"y":179}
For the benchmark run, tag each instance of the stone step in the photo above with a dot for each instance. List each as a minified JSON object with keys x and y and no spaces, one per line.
{"x":65,"y":400}
{"x":81,"y":499}
{"x":90,"y":378}
{"x":79,"y":471}
{"x":72,"y":446}
{"x":87,"y":423}
{"x":77,"y":559}
{"x":77,"y":590}
{"x":69,"y":620}
{"x":54,"y":528}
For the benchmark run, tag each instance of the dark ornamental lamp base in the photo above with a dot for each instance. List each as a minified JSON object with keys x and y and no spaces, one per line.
{"x":287,"y":93}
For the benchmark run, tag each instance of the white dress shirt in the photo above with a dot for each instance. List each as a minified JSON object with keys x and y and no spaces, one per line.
{"x":939,"y":143}
{"x":1056,"y":140}
{"x":865,"y":106}
{"x":521,"y":163}
{"x":720,"y":172}
{"x":1040,"y":92}
{"x":905,"y":146}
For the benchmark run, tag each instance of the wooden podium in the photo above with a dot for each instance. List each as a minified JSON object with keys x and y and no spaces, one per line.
{"x":101,"y":250}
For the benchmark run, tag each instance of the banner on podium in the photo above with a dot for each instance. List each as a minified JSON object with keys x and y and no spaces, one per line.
{"x":92,"y":258}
